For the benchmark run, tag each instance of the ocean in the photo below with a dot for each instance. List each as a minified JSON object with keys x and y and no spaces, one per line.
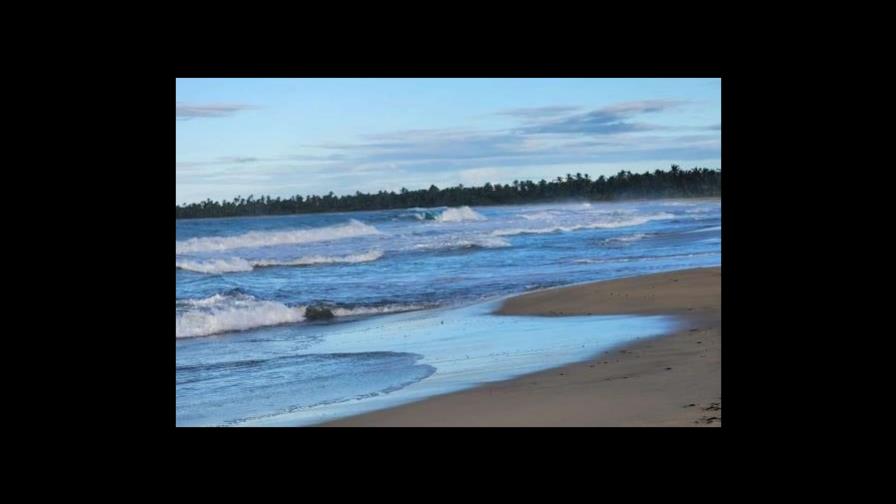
{"x":412,"y":292}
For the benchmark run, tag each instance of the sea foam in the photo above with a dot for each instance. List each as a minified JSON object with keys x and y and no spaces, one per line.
{"x":627,"y":238}
{"x":459,"y":214}
{"x":603,"y":223}
{"x":219,"y":313}
{"x":449,"y":243}
{"x":237,"y":264}
{"x":238,"y":312}
{"x":268,"y":238}
{"x":215,"y":266}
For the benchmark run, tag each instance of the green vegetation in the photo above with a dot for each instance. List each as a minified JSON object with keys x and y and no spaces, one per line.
{"x":675,"y":183}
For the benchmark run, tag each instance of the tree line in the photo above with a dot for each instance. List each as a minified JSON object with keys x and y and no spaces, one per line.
{"x":674,"y":183}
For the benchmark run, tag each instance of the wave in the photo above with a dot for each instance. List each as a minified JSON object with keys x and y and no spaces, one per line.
{"x":232,"y":265}
{"x":608,"y":260}
{"x":376,"y":310}
{"x":267,"y":238}
{"x":478,"y":242}
{"x":543,"y":215}
{"x":239,"y":312}
{"x":419,"y":215}
{"x":372,"y":255}
{"x":705,"y":230}
{"x":627,"y":238}
{"x":218,"y":314}
{"x":614,"y":223}
{"x":236,"y":264}
{"x":547,"y":230}
{"x":459,"y":214}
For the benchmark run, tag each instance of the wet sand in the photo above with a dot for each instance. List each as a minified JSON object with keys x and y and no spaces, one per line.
{"x":671,"y":380}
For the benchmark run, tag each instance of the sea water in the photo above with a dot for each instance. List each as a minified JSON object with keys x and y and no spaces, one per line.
{"x":412,"y":291}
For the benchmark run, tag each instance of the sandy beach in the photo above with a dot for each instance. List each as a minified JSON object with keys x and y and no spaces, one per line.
{"x":670,"y":380}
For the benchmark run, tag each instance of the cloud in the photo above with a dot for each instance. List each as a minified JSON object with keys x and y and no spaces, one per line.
{"x":555,"y":137}
{"x":606,"y":121}
{"x":240,"y":159}
{"x":437,"y":144}
{"x":534,"y":113}
{"x":185,"y":111}
{"x":571,"y":140}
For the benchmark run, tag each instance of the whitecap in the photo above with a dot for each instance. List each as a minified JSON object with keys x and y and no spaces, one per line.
{"x":237,"y":264}
{"x":459,"y":214}
{"x":219,"y":313}
{"x":268,"y":238}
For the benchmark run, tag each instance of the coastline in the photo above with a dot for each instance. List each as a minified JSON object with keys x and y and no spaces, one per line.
{"x":670,"y":380}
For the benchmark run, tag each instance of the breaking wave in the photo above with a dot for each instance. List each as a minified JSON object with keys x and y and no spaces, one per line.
{"x":236,"y":264}
{"x":607,"y":223}
{"x":213,"y":266}
{"x":239,"y":312}
{"x":543,"y":215}
{"x":627,"y":238}
{"x":268,"y":238}
{"x":218,"y":314}
{"x":372,"y":255}
{"x":476,"y":242}
{"x":459,"y":214}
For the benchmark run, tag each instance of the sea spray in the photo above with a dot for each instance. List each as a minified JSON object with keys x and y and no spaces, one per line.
{"x":223,"y":313}
{"x":460,"y":214}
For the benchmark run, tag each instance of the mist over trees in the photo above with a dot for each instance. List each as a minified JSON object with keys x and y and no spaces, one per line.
{"x":675,"y":183}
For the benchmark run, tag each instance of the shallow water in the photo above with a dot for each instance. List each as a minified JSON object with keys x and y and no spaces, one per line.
{"x":247,"y":356}
{"x":312,"y":373}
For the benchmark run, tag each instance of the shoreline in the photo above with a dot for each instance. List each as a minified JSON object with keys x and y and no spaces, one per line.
{"x":669,"y":380}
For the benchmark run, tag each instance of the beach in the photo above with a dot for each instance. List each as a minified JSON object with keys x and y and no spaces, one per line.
{"x":673,"y":380}
{"x":413,"y":294}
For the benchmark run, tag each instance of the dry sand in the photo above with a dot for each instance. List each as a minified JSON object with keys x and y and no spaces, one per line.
{"x":671,"y":380}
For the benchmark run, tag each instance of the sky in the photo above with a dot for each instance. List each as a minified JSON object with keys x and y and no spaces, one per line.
{"x":282,"y":137}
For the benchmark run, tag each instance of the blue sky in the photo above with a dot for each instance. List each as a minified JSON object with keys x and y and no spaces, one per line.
{"x":282,"y":137}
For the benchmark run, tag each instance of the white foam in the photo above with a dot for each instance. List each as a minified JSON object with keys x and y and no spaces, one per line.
{"x":544,"y":215}
{"x":239,"y":312}
{"x":629,"y":238}
{"x":454,"y":243}
{"x":267,"y":238}
{"x":237,"y":264}
{"x":375,"y":310}
{"x":589,"y":261}
{"x":217,"y":314}
{"x":459,"y":214}
{"x":703,"y":230}
{"x":372,"y":255}
{"x":231,"y":265}
{"x":612,"y":222}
